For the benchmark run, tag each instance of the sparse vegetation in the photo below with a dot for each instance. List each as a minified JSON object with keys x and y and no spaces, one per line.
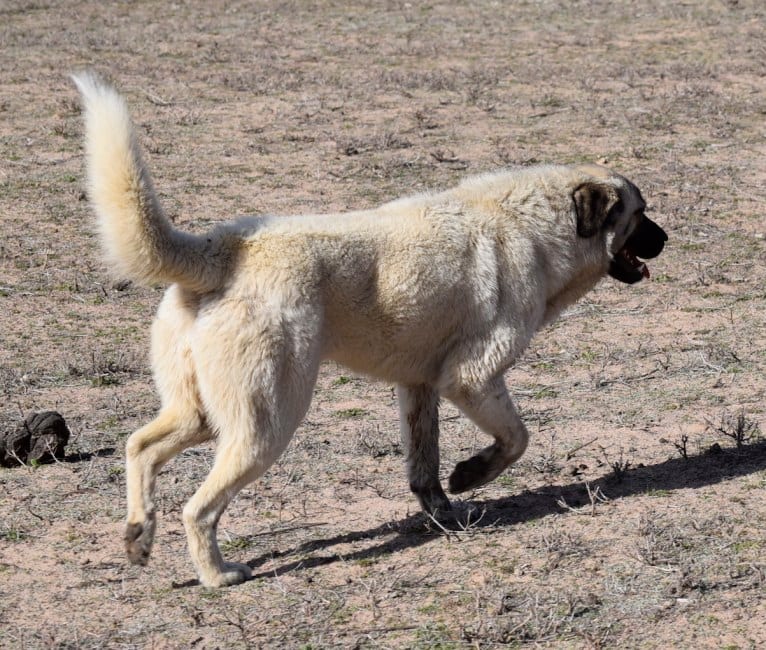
{"x":351,"y":413}
{"x":620,"y":466}
{"x":741,"y":429}
{"x":682,"y":446}
{"x":636,"y":517}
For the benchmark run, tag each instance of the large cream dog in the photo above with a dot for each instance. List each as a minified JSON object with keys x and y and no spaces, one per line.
{"x":438,"y":293}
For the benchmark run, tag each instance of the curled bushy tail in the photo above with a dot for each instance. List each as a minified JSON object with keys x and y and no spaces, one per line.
{"x":138,"y":239}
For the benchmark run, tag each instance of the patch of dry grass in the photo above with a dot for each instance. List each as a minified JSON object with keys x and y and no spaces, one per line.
{"x":636,"y":517}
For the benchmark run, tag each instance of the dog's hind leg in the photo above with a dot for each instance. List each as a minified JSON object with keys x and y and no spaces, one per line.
{"x":235,"y":466}
{"x":256,"y":377}
{"x":246,"y":450}
{"x":419,"y":422}
{"x":179,"y":425}
{"x":493,"y":411}
{"x":147,"y":450}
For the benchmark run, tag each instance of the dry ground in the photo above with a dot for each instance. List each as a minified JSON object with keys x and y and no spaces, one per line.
{"x":635,"y":520}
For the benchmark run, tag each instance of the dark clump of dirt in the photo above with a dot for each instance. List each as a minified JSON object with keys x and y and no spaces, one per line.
{"x":40,"y":438}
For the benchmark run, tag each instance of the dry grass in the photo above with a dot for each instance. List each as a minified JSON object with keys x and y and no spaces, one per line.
{"x":635,"y":520}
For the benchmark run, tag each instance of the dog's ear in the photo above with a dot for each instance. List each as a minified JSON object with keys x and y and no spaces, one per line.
{"x":593,"y":202}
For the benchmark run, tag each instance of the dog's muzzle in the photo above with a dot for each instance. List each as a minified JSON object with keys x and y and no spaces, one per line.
{"x":646,"y":242}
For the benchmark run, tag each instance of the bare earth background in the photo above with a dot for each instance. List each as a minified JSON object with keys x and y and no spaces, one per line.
{"x":636,"y":519}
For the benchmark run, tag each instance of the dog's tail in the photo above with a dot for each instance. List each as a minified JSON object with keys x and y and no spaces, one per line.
{"x":139,"y":241}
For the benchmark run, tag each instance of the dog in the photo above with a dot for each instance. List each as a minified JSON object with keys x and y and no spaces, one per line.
{"x":437,"y":293}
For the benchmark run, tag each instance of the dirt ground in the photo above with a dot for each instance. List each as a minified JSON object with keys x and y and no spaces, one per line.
{"x":637,"y":517}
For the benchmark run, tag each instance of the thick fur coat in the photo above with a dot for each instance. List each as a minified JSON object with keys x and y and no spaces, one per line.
{"x":438,"y":293}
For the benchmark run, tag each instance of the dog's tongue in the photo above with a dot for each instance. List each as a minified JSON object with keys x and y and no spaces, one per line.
{"x":637,"y":264}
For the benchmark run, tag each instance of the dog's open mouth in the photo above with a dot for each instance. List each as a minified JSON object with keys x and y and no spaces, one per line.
{"x":647,"y":241}
{"x":626,"y":267}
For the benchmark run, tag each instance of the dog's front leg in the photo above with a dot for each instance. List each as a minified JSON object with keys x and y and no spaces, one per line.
{"x":419,"y":420}
{"x":493,"y":411}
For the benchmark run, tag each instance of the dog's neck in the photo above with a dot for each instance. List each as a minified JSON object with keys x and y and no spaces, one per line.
{"x":571,"y":292}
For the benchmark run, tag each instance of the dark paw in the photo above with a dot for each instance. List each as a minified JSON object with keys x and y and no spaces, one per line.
{"x":469,"y":474}
{"x":138,"y":542}
{"x":432,"y":499}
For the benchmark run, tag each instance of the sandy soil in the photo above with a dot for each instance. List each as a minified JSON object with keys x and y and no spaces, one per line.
{"x":637,"y":517}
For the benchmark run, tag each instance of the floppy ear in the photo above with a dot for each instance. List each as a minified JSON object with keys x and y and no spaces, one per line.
{"x":593,"y":201}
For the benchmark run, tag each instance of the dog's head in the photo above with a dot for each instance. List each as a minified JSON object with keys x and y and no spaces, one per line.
{"x":611,"y":205}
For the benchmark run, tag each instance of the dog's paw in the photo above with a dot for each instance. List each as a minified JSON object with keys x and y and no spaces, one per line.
{"x":139,"y":538}
{"x":432,"y":499}
{"x":469,"y":474}
{"x":232,"y":574}
{"x":461,"y":516}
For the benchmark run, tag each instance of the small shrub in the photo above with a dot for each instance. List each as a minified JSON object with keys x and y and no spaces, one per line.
{"x":737,"y":427}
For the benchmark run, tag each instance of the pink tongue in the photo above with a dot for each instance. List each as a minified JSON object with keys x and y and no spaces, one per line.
{"x":645,"y":271}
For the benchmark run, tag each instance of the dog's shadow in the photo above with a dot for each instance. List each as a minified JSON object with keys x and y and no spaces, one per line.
{"x":415,"y":530}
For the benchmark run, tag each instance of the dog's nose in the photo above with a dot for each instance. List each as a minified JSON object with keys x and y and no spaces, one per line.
{"x":648,"y":240}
